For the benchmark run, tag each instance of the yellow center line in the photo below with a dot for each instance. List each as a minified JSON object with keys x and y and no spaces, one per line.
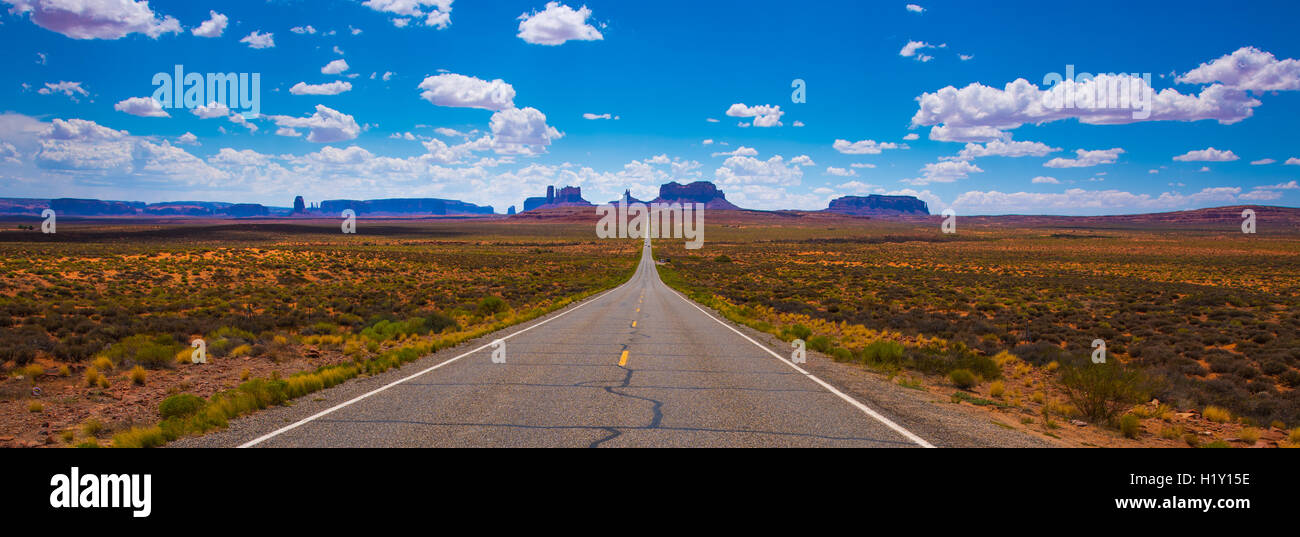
{"x":622,"y":361}
{"x":633,"y":324}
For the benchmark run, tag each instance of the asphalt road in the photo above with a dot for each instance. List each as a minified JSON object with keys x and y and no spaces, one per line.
{"x":637,"y":366}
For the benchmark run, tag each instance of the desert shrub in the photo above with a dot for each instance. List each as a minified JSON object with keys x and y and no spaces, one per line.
{"x":883,"y":353}
{"x":151,"y":351}
{"x":1100,"y":391}
{"x":138,"y":375}
{"x":722,"y":259}
{"x":103,"y":363}
{"x":1130,"y":426}
{"x":797,"y":331}
{"x":320,"y":329}
{"x":92,"y":376}
{"x":1250,"y":435}
{"x":997,"y":389}
{"x":491,"y":305}
{"x":1217,"y":414}
{"x":180,"y":405}
{"x":962,"y":378}
{"x":841,"y":354}
{"x":820,"y":343}
{"x":139,"y":438}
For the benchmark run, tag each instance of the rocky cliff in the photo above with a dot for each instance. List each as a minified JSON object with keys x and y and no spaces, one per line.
{"x":875,"y":205}
{"x":697,"y":192}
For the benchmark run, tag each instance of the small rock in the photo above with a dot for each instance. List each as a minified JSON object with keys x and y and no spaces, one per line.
{"x":1079,"y":423}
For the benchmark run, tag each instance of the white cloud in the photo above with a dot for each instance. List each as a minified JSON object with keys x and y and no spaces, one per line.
{"x":840,"y":172}
{"x":913,"y":49}
{"x":991,"y":109}
{"x":259,"y":40}
{"x":1086,"y":158}
{"x":1000,"y":148}
{"x":864,"y":147}
{"x":1292,"y":162}
{"x":741,"y":151}
{"x":915,"y":8}
{"x":287,"y":132}
{"x":1041,"y":180}
{"x":213,"y":27}
{"x":947,"y":171}
{"x":332,"y":88}
{"x":461,"y":91}
{"x":1262,"y":162}
{"x":141,"y":106}
{"x":211,"y":110}
{"x":517,"y":131}
{"x":70,"y":89}
{"x":556,"y":25}
{"x":335,"y":67}
{"x":948,"y":133}
{"x":1247,"y":68}
{"x":325,"y":126}
{"x":1293,"y":185}
{"x":802,"y":160}
{"x":912,"y":136}
{"x":188,"y":139}
{"x":436,"y":13}
{"x":764,"y":115}
{"x":743,"y":170}
{"x":707,"y":142}
{"x":96,"y":19}
{"x":303,"y":30}
{"x":598,"y":116}
{"x":798,"y":123}
{"x":1207,"y":155}
{"x":862,"y":165}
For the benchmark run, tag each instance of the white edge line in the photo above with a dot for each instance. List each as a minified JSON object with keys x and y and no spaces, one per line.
{"x":330,"y":410}
{"x":864,"y":408}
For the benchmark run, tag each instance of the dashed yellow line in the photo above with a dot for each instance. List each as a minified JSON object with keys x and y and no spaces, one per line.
{"x":633,"y":324}
{"x":622,"y":361}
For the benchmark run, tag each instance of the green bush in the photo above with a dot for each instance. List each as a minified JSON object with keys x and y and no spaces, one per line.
{"x":1130,"y":426}
{"x":151,"y":351}
{"x":883,"y":353}
{"x":491,"y":306}
{"x":797,"y":331}
{"x":820,"y":343}
{"x":180,"y":405}
{"x":962,"y":378}
{"x":1100,"y":391}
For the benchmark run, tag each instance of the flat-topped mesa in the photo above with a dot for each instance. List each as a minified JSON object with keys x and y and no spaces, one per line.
{"x":569,"y":196}
{"x":697,"y":192}
{"x":875,"y":205}
{"x":406,"y":206}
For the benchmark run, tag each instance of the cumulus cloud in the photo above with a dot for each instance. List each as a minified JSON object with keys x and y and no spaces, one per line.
{"x":863,"y":147}
{"x":435,"y":13}
{"x":335,"y":67}
{"x":259,"y":40}
{"x":300,"y":30}
{"x":840,"y":172}
{"x":188,"y":139}
{"x":1293,"y":185}
{"x":96,"y":19}
{"x":1079,"y":201}
{"x":764,"y":115}
{"x":332,"y":88}
{"x":591,"y":116}
{"x":1247,"y":68}
{"x":521,"y":131}
{"x":985,"y":110}
{"x":741,"y":151}
{"x":1207,"y":155}
{"x":213,"y":27}
{"x":1041,"y":180}
{"x":915,"y":8}
{"x":947,"y":171}
{"x":556,"y":25}
{"x":141,"y":106}
{"x":1086,"y":158}
{"x":325,"y":126}
{"x":453,"y":90}
{"x":1292,"y":162}
{"x":742,"y":170}
{"x":211,"y":110}
{"x":1000,"y":148}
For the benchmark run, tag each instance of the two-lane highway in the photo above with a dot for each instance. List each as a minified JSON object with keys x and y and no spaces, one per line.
{"x":638,"y":366}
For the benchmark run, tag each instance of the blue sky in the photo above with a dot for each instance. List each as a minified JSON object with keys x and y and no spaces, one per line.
{"x":424,"y":115}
